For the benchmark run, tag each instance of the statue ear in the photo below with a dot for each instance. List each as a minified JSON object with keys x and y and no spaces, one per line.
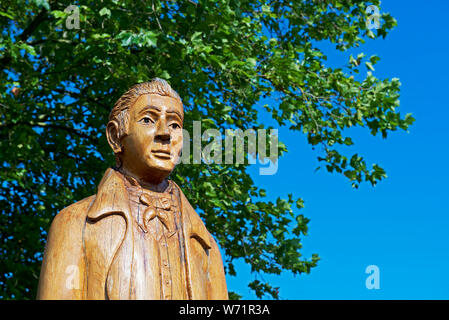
{"x":112,"y":134}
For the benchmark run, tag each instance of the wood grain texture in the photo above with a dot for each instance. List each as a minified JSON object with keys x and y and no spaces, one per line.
{"x":90,"y":250}
{"x":138,"y":237}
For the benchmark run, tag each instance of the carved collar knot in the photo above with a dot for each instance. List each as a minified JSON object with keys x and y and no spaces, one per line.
{"x":157,"y":207}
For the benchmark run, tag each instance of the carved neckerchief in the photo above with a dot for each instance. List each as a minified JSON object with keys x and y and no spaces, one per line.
{"x":158,"y":268}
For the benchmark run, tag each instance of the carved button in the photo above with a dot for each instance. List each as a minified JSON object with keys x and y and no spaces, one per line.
{"x":165,"y":263}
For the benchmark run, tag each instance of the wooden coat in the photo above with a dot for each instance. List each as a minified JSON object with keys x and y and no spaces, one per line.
{"x":89,"y":250}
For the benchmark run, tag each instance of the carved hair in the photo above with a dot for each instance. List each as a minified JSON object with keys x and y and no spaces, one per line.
{"x":120,"y":111}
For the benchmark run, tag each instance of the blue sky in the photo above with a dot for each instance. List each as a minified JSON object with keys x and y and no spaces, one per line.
{"x":402,"y":224}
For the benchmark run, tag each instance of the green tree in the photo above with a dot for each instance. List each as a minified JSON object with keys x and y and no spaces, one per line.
{"x":58,"y":83}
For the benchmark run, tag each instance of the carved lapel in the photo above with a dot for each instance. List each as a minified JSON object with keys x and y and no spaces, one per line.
{"x":108,"y":240}
{"x":197,"y":264}
{"x":108,"y":243}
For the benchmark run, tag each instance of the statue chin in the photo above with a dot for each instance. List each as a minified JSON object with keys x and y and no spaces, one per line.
{"x":160,"y":165}
{"x":156,"y":174}
{"x":153,"y":171}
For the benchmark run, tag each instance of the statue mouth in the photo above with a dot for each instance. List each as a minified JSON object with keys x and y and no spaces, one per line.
{"x":163,"y":154}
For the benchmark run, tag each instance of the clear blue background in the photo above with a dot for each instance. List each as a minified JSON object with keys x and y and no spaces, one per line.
{"x":402,"y":224}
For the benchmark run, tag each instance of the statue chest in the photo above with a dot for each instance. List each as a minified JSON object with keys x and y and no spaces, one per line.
{"x":159,"y":266}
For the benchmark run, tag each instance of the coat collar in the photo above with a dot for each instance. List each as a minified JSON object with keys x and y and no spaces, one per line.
{"x":111,"y":196}
{"x":114,"y":278}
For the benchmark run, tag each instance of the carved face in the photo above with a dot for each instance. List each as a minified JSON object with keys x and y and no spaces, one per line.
{"x":153,"y":144}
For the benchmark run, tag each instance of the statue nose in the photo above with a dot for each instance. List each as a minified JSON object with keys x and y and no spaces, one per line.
{"x":162,"y":132}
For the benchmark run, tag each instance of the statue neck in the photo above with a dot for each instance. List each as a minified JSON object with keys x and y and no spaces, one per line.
{"x":155,"y":187}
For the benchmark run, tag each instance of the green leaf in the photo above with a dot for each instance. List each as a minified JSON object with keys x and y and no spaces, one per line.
{"x":369,"y":66}
{"x":42,"y":4}
{"x":300,"y":203}
{"x":105,"y":12}
{"x":5,"y":14}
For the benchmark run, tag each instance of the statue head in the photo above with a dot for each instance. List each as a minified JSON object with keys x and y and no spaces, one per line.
{"x":145,"y":130}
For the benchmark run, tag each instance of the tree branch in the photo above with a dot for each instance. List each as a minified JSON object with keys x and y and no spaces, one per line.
{"x":33,"y":25}
{"x":27,"y":32}
{"x":77,"y":132}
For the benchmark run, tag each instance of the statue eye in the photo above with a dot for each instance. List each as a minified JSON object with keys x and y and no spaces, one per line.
{"x":146,"y":120}
{"x":175,"y":126}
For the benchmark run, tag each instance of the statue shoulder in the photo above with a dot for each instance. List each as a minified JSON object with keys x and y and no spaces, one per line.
{"x":74,"y":214}
{"x":64,"y":253}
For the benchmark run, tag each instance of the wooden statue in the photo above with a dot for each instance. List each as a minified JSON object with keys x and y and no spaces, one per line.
{"x":138,"y":237}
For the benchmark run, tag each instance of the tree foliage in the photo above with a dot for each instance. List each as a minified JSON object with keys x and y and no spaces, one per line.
{"x":223,"y":57}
